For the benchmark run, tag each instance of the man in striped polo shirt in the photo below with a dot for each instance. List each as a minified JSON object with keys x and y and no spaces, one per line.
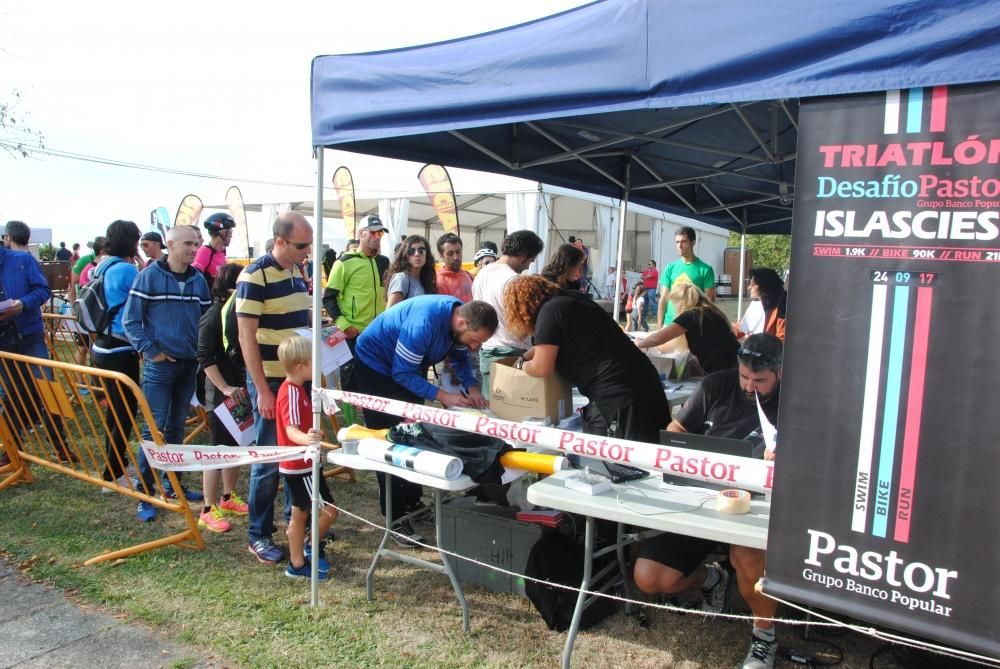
{"x":272,"y":301}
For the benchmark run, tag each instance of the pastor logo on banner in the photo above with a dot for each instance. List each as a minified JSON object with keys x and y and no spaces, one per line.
{"x":888,"y":429}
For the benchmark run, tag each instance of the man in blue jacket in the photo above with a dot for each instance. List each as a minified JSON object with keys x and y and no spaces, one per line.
{"x":392,"y":357}
{"x":161,"y":320}
{"x":21,"y":331}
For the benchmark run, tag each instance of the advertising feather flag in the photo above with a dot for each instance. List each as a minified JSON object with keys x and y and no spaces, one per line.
{"x":159,"y":221}
{"x":343,"y":183}
{"x":437,"y":185}
{"x":189,"y":211}
{"x":234,"y":202}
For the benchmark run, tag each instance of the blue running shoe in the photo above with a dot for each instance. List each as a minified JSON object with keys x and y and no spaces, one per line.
{"x":324,"y":566}
{"x":265,"y":551}
{"x":189,"y":495}
{"x":145,"y":512}
{"x":305,"y":571}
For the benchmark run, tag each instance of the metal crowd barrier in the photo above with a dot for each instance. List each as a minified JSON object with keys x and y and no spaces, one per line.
{"x":83,"y":429}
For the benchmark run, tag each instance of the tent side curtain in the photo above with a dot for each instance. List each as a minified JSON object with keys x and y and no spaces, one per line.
{"x":619,"y":55}
{"x":531,"y":211}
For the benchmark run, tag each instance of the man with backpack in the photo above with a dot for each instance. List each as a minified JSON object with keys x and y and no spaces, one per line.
{"x":212,"y":256}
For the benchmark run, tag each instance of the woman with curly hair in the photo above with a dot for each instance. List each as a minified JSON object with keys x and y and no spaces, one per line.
{"x":566,"y":267}
{"x":574,"y":336}
{"x":411,"y":272}
{"x":709,"y":334}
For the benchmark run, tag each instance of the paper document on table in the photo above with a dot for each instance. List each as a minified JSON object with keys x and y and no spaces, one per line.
{"x":333,"y":347}
{"x":769,"y":432}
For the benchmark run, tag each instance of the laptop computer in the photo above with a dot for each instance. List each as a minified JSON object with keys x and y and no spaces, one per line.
{"x":744,"y":448}
{"x":617,"y":472}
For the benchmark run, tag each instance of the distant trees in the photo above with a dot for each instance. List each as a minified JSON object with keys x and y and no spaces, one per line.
{"x":774,"y":251}
{"x":17,"y":138}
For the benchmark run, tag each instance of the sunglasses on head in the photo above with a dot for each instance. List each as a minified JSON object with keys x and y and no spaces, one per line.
{"x":414,"y":250}
{"x":748,"y":355}
{"x":299,"y":245}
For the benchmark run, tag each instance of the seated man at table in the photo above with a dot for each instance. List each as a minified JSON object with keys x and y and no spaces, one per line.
{"x":392,"y":357}
{"x":724,"y":405}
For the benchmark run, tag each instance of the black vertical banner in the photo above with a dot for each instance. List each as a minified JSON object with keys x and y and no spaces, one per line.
{"x":885,"y":500}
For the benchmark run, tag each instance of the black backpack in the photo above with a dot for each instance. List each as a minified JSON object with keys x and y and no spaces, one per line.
{"x":559,"y":559}
{"x":91,"y":306}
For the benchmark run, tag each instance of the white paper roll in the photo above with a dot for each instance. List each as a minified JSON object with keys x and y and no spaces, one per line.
{"x":732,"y":501}
{"x":412,"y":458}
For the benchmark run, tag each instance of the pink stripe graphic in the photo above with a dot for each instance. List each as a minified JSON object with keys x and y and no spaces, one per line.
{"x":939,"y":108}
{"x":914,"y":409}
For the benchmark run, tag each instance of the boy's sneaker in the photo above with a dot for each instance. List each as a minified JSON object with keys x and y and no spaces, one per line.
{"x":234,"y":505}
{"x":405,"y":536}
{"x":145,"y":512}
{"x":305,"y":571}
{"x":265,"y":551}
{"x":719,"y":597}
{"x":189,"y":495}
{"x":324,"y":566}
{"x":761,"y":655}
{"x":213,"y":521}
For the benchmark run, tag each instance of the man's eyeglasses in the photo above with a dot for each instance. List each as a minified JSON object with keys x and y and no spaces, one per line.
{"x":414,"y":250}
{"x":748,"y":355}
{"x":299,"y":245}
{"x":377,"y":233}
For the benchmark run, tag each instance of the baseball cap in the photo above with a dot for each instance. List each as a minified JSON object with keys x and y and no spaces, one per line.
{"x":484,"y":253}
{"x":372,"y":224}
{"x":153,"y":237}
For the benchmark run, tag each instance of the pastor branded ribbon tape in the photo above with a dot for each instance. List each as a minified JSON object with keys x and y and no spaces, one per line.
{"x":538,"y":463}
{"x":732,"y":501}
{"x":412,"y":458}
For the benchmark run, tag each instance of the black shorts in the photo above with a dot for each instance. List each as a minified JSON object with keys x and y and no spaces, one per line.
{"x":300,"y":486}
{"x":679,"y":551}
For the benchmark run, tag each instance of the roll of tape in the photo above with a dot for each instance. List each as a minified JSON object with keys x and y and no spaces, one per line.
{"x":733,"y":501}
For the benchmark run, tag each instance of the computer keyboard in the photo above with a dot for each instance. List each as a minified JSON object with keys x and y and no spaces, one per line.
{"x":620,"y":473}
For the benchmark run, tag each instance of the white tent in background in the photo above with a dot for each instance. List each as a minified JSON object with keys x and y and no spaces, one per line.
{"x":489,"y":215}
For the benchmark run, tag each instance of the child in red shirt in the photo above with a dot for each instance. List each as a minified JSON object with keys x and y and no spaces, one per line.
{"x":293,"y":414}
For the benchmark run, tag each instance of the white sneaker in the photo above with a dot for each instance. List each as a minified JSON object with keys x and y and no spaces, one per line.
{"x":123,"y":481}
{"x":761,"y":654}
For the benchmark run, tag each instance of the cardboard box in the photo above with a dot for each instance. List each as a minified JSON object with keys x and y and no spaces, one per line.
{"x":514,"y":395}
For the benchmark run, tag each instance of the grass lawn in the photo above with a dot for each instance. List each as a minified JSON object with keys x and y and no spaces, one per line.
{"x":221,"y":599}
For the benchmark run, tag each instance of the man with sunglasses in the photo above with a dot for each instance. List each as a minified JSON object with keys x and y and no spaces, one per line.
{"x":272,"y":302}
{"x":724,"y":405}
{"x":354,"y":295}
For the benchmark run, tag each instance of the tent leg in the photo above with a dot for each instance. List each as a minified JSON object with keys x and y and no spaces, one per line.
{"x":619,"y":270}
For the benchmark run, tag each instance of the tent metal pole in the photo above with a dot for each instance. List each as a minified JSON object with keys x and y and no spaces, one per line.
{"x":743,"y":252}
{"x":317,"y":380}
{"x":619,"y":270}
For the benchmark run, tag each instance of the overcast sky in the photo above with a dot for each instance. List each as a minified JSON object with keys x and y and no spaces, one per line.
{"x":217,"y":88}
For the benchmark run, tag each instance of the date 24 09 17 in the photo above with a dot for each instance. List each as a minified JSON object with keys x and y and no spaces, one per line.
{"x":904,"y":278}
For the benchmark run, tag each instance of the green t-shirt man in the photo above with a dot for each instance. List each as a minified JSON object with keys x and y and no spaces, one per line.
{"x":697,"y":272}
{"x":83,"y":262}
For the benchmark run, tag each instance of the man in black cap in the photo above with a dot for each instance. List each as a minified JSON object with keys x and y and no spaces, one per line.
{"x":152,"y":247}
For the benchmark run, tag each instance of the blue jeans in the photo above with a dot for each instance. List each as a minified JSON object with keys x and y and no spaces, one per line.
{"x":263,"y":477}
{"x":168,"y":387}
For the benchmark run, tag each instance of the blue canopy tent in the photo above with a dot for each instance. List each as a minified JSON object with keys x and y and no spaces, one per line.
{"x":686,"y":107}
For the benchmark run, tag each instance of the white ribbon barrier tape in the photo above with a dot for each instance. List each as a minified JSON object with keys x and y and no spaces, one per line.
{"x":728,"y":470}
{"x":190,"y":458}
